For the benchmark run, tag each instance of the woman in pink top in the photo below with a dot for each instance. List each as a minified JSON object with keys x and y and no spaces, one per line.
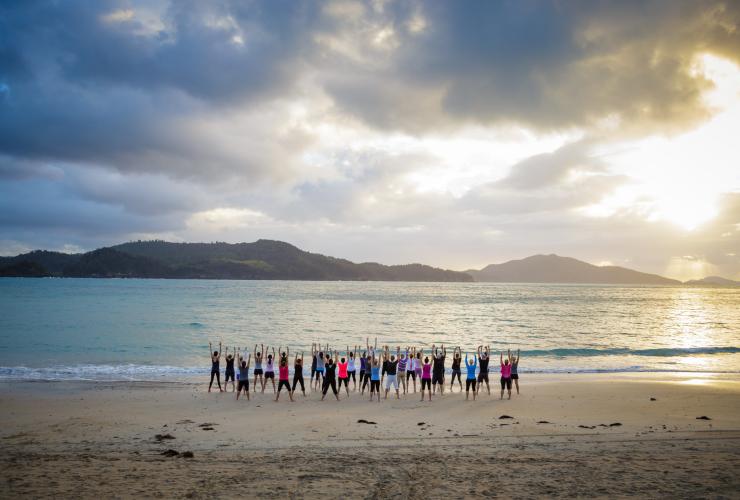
{"x":343,"y":375}
{"x":505,"y":374}
{"x":283,"y":374}
{"x":426,"y":376}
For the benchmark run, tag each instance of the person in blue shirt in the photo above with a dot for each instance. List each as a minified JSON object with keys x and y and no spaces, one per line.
{"x":471,"y":365}
{"x":374,"y":377}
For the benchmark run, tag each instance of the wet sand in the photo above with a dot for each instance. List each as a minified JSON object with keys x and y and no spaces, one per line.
{"x":88,"y":439}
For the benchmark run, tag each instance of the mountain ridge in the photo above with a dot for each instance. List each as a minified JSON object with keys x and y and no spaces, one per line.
{"x":272,"y":259}
{"x":262,"y":259}
{"x":553,"y":268}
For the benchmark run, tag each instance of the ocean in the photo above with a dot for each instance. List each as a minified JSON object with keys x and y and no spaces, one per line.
{"x":136,"y":329}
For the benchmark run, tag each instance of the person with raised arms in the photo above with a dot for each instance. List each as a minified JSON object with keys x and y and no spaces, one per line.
{"x":391,"y":369}
{"x":243,"y":374}
{"x":363,"y":365}
{"x":270,"y":370}
{"x":456,"y":371}
{"x":229,"y":373}
{"x":343,"y":369}
{"x":471,"y":365}
{"x":505,"y":374}
{"x":320,"y":366}
{"x":374,"y":376}
{"x":426,"y":376}
{"x":313,"y":363}
{"x":403,"y":366}
{"x":414,"y":369}
{"x":258,"y":373}
{"x":368,"y":363}
{"x":438,"y":371}
{"x":283,"y":374}
{"x":515,"y":371}
{"x":330,"y":378}
{"x":298,"y":373}
{"x":351,"y":369}
{"x":484,"y":356}
{"x":215,"y":366}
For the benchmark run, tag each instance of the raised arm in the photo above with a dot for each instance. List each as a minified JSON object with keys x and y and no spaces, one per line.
{"x":249,"y":359}
{"x":502,"y":358}
{"x":444,"y":350}
{"x":220,"y":350}
{"x":509,"y":355}
{"x":517,"y":355}
{"x":210,"y":349}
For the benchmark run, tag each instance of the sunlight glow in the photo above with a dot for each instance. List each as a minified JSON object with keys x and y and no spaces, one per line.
{"x":678,"y":179}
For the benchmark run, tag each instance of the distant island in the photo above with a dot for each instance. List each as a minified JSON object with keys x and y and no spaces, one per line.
{"x":556,"y":269}
{"x":713,"y":281}
{"x":277,"y":260}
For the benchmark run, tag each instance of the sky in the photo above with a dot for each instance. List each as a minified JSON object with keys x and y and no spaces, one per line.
{"x":452,"y":133}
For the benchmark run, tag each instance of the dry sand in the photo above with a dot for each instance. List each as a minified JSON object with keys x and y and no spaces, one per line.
{"x":84,"y":439}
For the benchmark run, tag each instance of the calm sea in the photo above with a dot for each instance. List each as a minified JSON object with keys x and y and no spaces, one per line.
{"x":160,"y":329}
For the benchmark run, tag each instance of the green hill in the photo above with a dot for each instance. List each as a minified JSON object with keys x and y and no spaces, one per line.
{"x":263,"y":259}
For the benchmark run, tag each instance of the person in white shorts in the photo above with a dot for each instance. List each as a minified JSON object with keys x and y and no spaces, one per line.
{"x":391,"y":369}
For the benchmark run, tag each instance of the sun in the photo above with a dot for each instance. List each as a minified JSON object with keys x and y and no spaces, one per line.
{"x":679,"y":179}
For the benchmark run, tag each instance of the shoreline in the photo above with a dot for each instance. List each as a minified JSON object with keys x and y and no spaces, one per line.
{"x":538,"y":377}
{"x":93,"y":439}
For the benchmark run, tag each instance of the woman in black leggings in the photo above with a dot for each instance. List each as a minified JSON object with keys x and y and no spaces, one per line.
{"x":330,"y":379}
{"x":215,"y":366}
{"x":298,"y":373}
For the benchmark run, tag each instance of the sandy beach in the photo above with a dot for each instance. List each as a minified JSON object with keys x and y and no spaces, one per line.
{"x":568,"y":435}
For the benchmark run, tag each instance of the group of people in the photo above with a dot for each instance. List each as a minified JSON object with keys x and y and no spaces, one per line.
{"x":395,"y":370}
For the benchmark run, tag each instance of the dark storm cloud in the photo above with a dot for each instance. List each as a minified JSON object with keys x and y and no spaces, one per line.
{"x":84,"y":82}
{"x":547,"y":64}
{"x":193,"y":50}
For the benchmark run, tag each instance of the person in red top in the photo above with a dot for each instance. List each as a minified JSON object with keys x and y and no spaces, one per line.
{"x":343,"y":375}
{"x":505,"y":374}
{"x":283,"y":374}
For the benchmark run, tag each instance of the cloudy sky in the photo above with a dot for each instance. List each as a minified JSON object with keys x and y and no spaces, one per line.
{"x":454,"y":133}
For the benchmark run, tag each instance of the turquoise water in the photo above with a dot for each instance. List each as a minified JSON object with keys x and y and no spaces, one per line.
{"x":154,"y":329}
